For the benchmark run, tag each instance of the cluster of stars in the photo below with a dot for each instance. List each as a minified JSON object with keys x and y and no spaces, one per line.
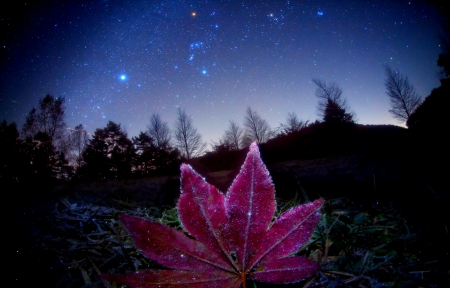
{"x":125,"y":62}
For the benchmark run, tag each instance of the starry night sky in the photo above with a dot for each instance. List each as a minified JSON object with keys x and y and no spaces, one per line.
{"x":124,"y":60}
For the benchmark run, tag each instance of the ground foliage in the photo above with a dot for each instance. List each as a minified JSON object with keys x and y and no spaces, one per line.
{"x":63,"y":241}
{"x":69,"y":244}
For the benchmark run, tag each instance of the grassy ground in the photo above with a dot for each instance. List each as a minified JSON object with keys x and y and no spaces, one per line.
{"x":67,"y":240}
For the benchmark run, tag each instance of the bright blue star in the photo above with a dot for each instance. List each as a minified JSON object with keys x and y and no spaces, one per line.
{"x":123,"y":77}
{"x":204,"y":72}
{"x":319,"y":13}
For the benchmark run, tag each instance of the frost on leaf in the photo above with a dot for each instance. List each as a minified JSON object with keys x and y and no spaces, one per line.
{"x":230,"y":238}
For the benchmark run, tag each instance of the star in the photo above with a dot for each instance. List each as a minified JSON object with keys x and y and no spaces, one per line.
{"x":272,"y":49}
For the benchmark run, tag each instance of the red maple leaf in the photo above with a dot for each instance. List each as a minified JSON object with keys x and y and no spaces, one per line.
{"x":232,"y":238}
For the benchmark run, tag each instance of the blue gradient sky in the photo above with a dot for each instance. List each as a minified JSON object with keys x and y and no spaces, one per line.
{"x":124,"y":60}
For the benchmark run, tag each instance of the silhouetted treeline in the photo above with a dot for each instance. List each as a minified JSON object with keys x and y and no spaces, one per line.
{"x":47,"y":149}
{"x":430,"y":123}
{"x":432,"y":114}
{"x":110,"y":154}
{"x":33,"y":158}
{"x":316,"y":140}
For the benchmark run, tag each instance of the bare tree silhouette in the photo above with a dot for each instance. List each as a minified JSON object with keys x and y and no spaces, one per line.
{"x":403,"y":96}
{"x":48,"y":119}
{"x":187,"y":139}
{"x":159,"y":131}
{"x":79,"y":139}
{"x":293,"y":124}
{"x":256,"y":128}
{"x":233,"y":136}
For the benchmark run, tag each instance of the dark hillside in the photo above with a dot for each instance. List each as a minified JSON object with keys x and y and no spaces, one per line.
{"x":379,"y":170}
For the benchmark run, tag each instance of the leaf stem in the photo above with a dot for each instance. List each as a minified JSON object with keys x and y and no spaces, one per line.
{"x":244,"y":284}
